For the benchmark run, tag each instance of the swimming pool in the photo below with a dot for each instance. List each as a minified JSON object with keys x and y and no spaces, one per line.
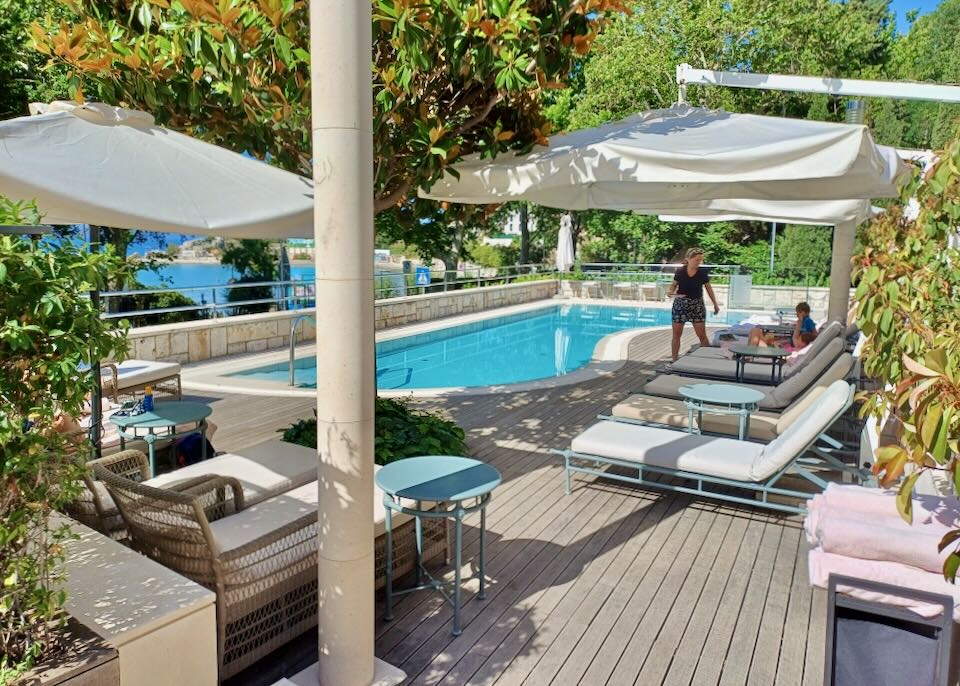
{"x":539,"y":344}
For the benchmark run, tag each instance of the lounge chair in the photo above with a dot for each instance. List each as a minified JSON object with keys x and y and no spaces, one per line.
{"x":722,"y":463}
{"x":130,"y":376}
{"x":776,"y":398}
{"x":765,"y":425}
{"x":712,"y":363}
{"x":260,"y":559}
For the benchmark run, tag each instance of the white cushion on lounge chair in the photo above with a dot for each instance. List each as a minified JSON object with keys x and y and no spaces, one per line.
{"x":813,"y":421}
{"x":792,"y":386}
{"x":264,"y":470}
{"x":721,"y":457}
{"x":718,"y":457}
{"x":265,"y":517}
{"x":139,"y":372}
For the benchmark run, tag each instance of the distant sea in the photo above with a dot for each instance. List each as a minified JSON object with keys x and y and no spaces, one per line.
{"x":180,"y":276}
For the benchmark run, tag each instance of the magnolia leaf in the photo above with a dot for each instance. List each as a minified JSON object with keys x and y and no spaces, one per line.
{"x":905,"y":497}
{"x":950,"y":567}
{"x":948,"y":538}
{"x":918,"y":368}
{"x":936,"y":360}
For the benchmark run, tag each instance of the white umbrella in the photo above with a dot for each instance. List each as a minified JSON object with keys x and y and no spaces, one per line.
{"x":667,"y":158}
{"x":108,"y":166}
{"x":819,"y":213}
{"x":565,"y":244}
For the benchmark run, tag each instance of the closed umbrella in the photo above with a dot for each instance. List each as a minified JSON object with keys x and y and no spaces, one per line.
{"x":565,"y":244}
{"x":666,"y":158}
{"x":109,"y":166}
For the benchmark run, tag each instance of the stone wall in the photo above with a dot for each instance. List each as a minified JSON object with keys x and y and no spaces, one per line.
{"x":202,"y":340}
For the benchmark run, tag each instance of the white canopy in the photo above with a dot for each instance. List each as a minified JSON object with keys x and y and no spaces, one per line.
{"x":97,"y":164}
{"x":669,"y":158}
{"x":815,"y":213}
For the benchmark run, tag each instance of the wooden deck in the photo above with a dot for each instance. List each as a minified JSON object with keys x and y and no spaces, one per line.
{"x":610,"y":585}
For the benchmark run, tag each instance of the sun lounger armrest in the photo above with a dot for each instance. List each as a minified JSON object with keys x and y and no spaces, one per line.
{"x":217,"y":495}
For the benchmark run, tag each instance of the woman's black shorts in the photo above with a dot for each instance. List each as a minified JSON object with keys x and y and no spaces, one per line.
{"x":689,"y":310}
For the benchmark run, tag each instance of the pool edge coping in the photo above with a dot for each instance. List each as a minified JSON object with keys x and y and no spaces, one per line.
{"x":609,"y":356}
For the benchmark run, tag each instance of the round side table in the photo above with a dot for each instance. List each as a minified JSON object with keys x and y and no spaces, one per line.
{"x":775,"y":355}
{"x":458,"y":486}
{"x":718,"y":398}
{"x":164,"y":418}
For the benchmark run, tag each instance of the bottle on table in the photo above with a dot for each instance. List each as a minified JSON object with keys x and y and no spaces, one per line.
{"x":148,"y":399}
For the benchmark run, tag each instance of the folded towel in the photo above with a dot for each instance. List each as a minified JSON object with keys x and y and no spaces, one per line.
{"x":890,"y":540}
{"x":927,"y":509}
{"x":823,"y":564}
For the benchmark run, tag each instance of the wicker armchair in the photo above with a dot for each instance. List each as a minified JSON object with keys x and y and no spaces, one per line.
{"x":94,"y":507}
{"x":260,"y":560}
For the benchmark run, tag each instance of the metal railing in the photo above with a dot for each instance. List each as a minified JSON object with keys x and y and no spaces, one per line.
{"x":299,"y":319}
{"x":297,"y":294}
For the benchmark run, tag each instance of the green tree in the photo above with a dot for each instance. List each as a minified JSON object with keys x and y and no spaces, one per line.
{"x":803,"y":249}
{"x":929,"y":52}
{"x":632,"y":67}
{"x":253,"y":261}
{"x":49,"y":329}
{"x":23,"y":75}
{"x":908,"y":299}
{"x":450,"y":78}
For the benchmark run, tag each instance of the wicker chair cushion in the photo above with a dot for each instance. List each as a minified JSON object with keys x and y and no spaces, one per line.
{"x":139,"y":372}
{"x":264,"y":470}
{"x":270,"y":515}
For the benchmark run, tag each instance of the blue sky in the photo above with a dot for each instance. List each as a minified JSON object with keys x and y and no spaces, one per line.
{"x":901,"y":7}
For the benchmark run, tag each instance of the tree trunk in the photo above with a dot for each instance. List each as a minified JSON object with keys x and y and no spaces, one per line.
{"x":576,"y":226}
{"x":524,"y":233}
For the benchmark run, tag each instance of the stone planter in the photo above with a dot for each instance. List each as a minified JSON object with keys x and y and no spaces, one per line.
{"x":86,"y":660}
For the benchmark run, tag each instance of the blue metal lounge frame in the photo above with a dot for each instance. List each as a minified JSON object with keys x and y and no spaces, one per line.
{"x":800,"y":466}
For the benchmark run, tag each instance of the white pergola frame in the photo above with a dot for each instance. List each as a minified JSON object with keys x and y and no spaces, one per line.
{"x":844,"y":234}
{"x":855,"y":88}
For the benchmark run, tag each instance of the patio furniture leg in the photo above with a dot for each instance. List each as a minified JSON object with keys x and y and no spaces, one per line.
{"x":388,"y":588}
{"x":150,"y":439}
{"x":203,"y":439}
{"x":744,"y":418}
{"x":457,"y":561}
{"x":419,"y":535}
{"x":566,"y":471}
{"x":483,"y":530}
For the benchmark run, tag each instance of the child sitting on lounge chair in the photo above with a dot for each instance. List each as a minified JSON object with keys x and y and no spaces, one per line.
{"x":804,"y":332}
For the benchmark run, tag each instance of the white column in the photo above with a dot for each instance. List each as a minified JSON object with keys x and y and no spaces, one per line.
{"x":343,"y":230}
{"x":844,"y":237}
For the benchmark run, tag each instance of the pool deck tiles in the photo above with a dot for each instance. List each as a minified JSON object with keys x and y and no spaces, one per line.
{"x":610,"y":585}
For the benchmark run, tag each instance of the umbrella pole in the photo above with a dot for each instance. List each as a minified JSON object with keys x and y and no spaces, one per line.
{"x":96,"y":410}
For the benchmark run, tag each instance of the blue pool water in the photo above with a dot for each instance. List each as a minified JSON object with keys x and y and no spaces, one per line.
{"x":546,"y":342}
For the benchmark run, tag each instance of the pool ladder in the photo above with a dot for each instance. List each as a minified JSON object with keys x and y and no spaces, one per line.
{"x":293,"y":343}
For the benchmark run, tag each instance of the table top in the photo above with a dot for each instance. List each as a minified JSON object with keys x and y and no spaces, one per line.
{"x":165,"y":413}
{"x":726,"y":394}
{"x":438,"y":478}
{"x":759,"y":351}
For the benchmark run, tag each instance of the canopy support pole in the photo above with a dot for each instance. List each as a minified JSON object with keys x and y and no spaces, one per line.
{"x":340,"y":40}
{"x":844,"y":237}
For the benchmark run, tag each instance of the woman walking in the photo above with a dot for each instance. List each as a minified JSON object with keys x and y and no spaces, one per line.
{"x":688,"y":284}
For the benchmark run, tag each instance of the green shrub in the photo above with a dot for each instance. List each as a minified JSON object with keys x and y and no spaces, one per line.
{"x":400,"y":432}
{"x":48,"y":329}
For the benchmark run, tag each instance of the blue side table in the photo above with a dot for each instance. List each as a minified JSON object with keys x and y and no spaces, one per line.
{"x":464,"y":484}
{"x":162,"y":422}
{"x":718,"y":398}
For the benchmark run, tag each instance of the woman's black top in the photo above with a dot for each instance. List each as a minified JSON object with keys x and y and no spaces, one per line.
{"x":691,"y":286}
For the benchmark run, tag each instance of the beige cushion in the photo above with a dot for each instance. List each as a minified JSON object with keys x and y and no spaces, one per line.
{"x":672,"y":412}
{"x":721,"y":457}
{"x":806,"y":375}
{"x":813,"y":421}
{"x":837,"y":371}
{"x":264,"y":470}
{"x":269,"y":515}
{"x":722,"y":367}
{"x":139,"y":372}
